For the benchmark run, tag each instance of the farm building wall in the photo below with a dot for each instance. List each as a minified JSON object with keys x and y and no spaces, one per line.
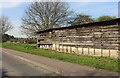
{"x":91,"y":40}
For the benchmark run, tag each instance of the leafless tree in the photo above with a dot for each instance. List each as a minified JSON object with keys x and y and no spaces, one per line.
{"x":5,"y":24}
{"x":45,"y":15}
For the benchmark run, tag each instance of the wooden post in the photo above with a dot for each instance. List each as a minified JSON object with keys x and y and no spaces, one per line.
{"x":82,"y":51}
{"x":62,"y":49}
{"x":88,"y":51}
{"x":67,"y":49}
{"x":55,"y":47}
{"x":70,"y":50}
{"x":77,"y":50}
{"x":101,"y":52}
{"x":109,"y":53}
{"x":59,"y":48}
{"x":94,"y":51}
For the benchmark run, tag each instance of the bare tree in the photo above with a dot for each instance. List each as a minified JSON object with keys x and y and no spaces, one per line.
{"x":5,"y":25}
{"x":45,"y":15}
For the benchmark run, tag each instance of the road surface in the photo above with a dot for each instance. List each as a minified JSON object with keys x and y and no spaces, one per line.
{"x":15,"y":67}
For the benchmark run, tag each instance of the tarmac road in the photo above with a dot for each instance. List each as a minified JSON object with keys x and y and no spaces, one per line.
{"x":15,"y":67}
{"x":17,"y":63}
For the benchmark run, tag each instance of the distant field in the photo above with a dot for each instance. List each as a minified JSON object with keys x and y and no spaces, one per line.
{"x":98,"y":62}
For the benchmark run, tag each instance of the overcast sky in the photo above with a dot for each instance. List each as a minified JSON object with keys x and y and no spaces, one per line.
{"x":14,"y":9}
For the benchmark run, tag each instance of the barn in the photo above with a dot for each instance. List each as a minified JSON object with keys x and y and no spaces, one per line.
{"x":93,"y":39}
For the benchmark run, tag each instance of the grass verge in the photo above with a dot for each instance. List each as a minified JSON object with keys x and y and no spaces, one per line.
{"x":97,"y":62}
{"x":0,"y":44}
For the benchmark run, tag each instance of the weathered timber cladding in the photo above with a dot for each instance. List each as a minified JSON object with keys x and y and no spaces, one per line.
{"x":89,"y":38}
{"x":99,"y":38}
{"x":44,"y":38}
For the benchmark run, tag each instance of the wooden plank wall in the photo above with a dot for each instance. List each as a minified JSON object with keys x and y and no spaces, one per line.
{"x":101,"y":37}
{"x":94,"y":40}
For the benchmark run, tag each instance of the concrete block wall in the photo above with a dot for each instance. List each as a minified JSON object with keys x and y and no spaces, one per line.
{"x":83,"y":51}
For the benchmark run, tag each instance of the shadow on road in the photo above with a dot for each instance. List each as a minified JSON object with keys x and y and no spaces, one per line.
{"x":4,"y":74}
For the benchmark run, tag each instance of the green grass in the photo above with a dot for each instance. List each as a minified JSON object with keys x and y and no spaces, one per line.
{"x":98,"y":62}
{"x":0,"y":44}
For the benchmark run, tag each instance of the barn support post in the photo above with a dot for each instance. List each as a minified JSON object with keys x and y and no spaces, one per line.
{"x":88,"y":51}
{"x":82,"y":51}
{"x":109,"y":53}
{"x":101,"y":52}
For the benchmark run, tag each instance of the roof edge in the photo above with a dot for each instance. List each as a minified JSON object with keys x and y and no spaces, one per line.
{"x":101,"y":23}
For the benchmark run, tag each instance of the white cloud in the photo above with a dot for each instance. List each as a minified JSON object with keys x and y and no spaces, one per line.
{"x":92,"y":0}
{"x":77,"y":0}
{"x":15,"y":3}
{"x":10,"y":4}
